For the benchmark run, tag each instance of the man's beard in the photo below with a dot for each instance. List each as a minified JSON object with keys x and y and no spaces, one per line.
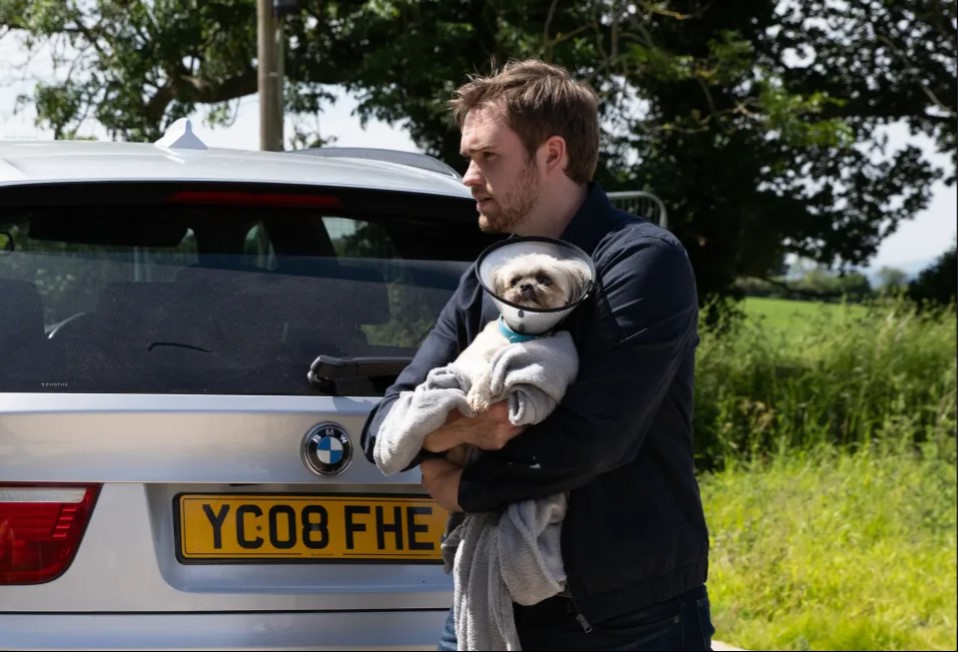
{"x":512,"y":209}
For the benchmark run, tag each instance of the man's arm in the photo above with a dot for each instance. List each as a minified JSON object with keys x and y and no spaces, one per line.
{"x":440,"y":347}
{"x":603,"y":419}
{"x":490,"y":430}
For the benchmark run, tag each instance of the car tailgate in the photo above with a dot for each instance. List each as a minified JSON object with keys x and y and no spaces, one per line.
{"x":151,"y":451}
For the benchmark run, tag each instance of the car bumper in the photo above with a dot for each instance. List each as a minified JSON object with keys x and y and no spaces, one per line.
{"x":382,"y":630}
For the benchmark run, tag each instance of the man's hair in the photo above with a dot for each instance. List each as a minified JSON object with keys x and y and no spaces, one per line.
{"x":540,"y":101}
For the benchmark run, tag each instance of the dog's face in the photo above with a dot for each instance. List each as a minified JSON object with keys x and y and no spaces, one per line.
{"x":540,"y":281}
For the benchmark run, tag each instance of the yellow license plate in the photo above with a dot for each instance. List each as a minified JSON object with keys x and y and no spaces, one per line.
{"x":339,"y":528}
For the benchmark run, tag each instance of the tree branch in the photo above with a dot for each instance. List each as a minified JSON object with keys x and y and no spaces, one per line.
{"x":155,"y":107}
{"x":546,"y":42}
{"x":197,"y":89}
{"x":855,"y":110}
{"x":187,"y":88}
{"x":949,"y":111}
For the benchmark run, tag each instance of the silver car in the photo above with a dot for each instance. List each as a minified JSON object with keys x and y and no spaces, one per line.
{"x":190,"y":342}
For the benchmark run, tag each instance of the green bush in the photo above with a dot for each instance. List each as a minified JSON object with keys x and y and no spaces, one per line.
{"x":843,"y":375}
{"x":937,"y":283}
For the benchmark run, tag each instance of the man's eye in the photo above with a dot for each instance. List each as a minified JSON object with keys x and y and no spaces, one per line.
{"x":543,"y":280}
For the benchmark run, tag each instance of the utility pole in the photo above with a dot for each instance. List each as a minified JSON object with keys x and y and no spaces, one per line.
{"x":269,"y":41}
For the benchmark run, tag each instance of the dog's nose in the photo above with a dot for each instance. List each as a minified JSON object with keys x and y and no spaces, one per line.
{"x":528,"y":290}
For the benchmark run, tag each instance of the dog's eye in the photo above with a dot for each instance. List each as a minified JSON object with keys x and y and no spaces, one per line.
{"x":515,"y":279}
{"x":542,"y":279}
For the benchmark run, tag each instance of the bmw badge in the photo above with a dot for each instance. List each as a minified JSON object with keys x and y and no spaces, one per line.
{"x":327,"y":449}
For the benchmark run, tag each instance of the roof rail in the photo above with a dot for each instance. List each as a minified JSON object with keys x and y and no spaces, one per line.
{"x":413,"y":159}
{"x":642,"y":203}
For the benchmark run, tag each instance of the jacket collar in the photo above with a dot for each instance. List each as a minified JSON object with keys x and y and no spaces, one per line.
{"x":592,"y":221}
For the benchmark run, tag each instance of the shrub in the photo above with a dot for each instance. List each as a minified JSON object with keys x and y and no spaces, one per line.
{"x":845,"y":378}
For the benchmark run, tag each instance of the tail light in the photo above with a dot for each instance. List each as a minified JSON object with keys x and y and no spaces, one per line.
{"x":40,"y":529}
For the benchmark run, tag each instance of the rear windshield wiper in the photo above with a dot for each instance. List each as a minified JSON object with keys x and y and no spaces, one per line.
{"x":326,"y":369}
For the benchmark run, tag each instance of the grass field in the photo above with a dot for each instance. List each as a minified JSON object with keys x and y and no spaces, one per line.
{"x":832,"y":496}
{"x":829,"y":551}
{"x":794,"y":319}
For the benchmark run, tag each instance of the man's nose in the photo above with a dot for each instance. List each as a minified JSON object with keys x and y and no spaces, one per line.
{"x":473,"y":177}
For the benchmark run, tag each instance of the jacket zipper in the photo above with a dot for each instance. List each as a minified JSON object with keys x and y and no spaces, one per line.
{"x":586,"y":627}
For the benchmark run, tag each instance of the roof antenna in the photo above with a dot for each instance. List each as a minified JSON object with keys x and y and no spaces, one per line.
{"x":179,"y":135}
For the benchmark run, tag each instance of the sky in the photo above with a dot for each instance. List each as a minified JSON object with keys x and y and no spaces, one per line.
{"x":915,"y":245}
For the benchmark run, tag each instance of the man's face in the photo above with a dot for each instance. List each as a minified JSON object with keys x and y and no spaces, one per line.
{"x":502,"y":178}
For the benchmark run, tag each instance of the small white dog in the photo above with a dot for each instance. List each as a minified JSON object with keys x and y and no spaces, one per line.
{"x":534,"y":281}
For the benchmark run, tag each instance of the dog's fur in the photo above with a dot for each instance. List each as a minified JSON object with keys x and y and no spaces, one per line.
{"x":539,"y":281}
{"x":535,"y":281}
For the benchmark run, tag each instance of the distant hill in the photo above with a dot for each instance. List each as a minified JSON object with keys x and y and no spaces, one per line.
{"x":911,"y":269}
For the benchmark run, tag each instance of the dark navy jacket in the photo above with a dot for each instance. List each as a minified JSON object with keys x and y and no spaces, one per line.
{"x":620,"y":442}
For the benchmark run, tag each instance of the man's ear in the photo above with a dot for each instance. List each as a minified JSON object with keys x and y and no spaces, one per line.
{"x":555,"y":154}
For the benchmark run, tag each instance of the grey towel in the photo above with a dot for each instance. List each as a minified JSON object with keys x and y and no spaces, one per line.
{"x":497,"y":557}
{"x":417,"y":413}
{"x":532,"y":376}
{"x":501,"y":558}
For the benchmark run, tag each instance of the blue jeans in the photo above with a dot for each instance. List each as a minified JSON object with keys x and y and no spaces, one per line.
{"x":682,"y":623}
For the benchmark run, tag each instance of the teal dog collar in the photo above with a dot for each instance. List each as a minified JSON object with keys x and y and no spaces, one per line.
{"x":512,"y":336}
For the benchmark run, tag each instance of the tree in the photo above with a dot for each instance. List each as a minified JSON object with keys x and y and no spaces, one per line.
{"x":891,"y":279}
{"x":820,"y":283}
{"x":766,"y":131}
{"x":938,"y":284}
{"x":761,"y":128}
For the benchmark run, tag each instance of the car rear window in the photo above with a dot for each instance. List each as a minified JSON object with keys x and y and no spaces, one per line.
{"x":206,"y":299}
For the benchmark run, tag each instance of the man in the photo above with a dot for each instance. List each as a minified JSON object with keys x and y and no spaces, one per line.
{"x":634,"y":540}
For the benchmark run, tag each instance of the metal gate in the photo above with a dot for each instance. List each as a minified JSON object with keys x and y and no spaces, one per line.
{"x":641,"y":203}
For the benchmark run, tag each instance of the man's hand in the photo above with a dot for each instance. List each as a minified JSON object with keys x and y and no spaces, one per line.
{"x":441,"y":479}
{"x":489,"y":430}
